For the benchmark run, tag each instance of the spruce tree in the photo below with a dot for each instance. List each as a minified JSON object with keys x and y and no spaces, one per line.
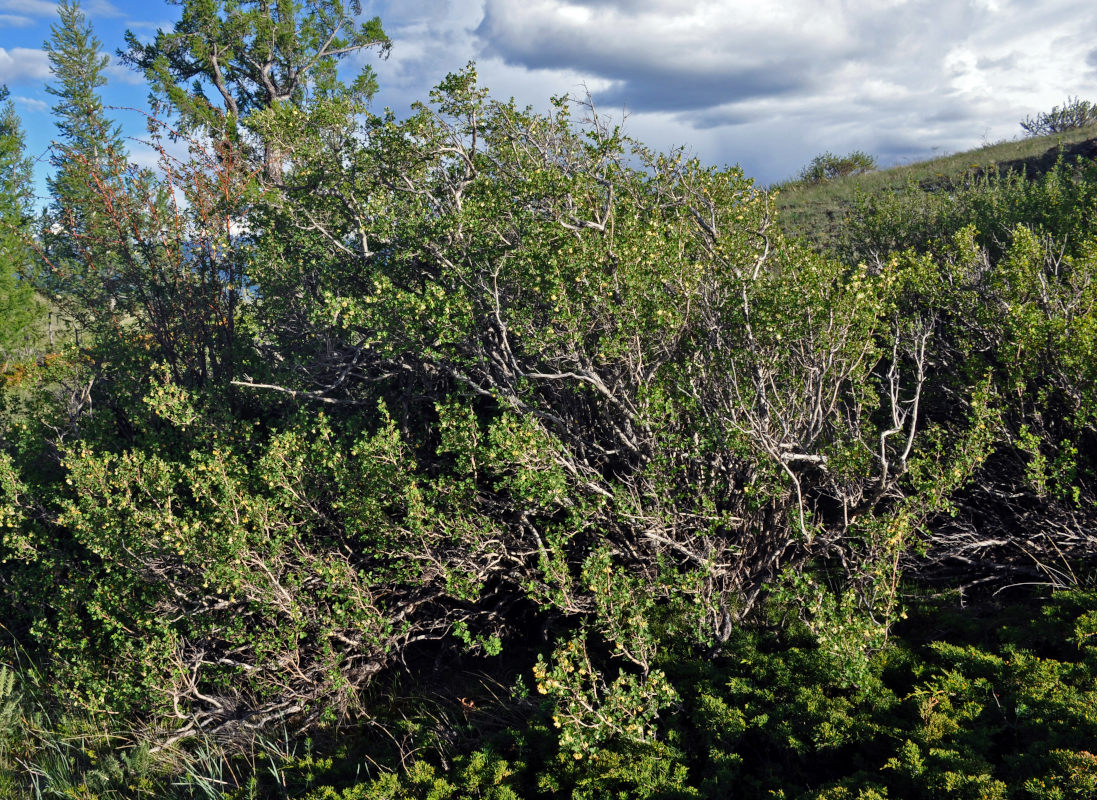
{"x":87,"y":138}
{"x":19,"y":309}
{"x":87,"y":156}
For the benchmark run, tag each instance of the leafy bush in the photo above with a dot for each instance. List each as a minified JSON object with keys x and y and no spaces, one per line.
{"x":1074,"y":113}
{"x":1015,"y":272}
{"x":563,"y":372}
{"x":19,"y":307}
{"x":491,"y":398}
{"x":1057,"y":205}
{"x":1002,"y":706}
{"x":828,"y":166}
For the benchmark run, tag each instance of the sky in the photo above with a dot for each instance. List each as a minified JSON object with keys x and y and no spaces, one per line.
{"x":765,"y":84}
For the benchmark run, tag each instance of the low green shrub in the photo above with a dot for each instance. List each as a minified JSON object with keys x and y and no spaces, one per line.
{"x":1002,"y":705}
{"x":1073,"y":114}
{"x":828,"y":166}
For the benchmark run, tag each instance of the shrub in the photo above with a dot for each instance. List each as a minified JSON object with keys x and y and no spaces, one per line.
{"x":570,"y":386}
{"x":563,"y":373}
{"x":827,"y":166}
{"x":1073,"y":114}
{"x":1015,"y":265}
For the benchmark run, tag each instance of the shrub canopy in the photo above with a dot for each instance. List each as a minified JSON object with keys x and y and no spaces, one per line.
{"x":490,"y":386}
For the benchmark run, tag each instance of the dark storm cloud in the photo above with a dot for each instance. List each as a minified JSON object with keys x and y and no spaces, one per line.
{"x":951,"y":111}
{"x":674,"y":91}
{"x":641,"y":77}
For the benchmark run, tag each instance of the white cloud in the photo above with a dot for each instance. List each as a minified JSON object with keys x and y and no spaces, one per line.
{"x":45,"y":8}
{"x":117,"y":71}
{"x":23,"y":65}
{"x":151,"y":26}
{"x":765,"y":84}
{"x":32,"y":8}
{"x":15,"y":21}
{"x":101,"y":8}
{"x":31,"y":103}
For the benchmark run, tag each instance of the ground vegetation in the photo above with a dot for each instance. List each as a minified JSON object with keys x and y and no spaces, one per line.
{"x":490,"y":453}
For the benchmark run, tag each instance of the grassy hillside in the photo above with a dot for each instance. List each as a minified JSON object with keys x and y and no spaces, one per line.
{"x":817,"y":212}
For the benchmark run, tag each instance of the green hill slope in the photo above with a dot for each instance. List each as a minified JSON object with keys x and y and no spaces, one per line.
{"x":817,"y":212}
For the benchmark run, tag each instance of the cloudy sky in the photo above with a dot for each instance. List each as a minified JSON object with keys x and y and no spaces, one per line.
{"x":763,"y":84}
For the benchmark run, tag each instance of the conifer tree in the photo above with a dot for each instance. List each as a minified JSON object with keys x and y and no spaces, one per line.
{"x":87,"y":156}
{"x":225,"y":60}
{"x":18,"y":307}
{"x":88,"y":139}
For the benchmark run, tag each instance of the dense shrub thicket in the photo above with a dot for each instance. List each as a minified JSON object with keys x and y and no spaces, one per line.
{"x":494,"y":451}
{"x":1021,"y":252}
{"x":537,"y":383}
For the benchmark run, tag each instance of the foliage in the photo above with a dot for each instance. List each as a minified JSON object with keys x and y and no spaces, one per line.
{"x":1073,"y":114}
{"x":605,"y":335}
{"x":992,"y":700}
{"x":77,"y":270}
{"x":19,"y":308}
{"x":1002,"y":706}
{"x":817,"y":213}
{"x":88,"y":138}
{"x":363,"y":437}
{"x":529,"y":356}
{"x":1020,"y":263}
{"x":828,"y":166}
{"x":253,"y":56}
{"x":1055,"y":204}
